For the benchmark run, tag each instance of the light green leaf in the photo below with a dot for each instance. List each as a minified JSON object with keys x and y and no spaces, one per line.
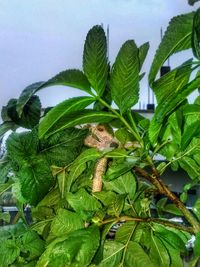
{"x":116,"y":206}
{"x":78,"y":118}
{"x":112,"y":254}
{"x":82,"y":201}
{"x":158,"y":253}
{"x":118,"y":170}
{"x":197,"y":245}
{"x":196,"y":208}
{"x":125,"y":184}
{"x":75,"y":250}
{"x":136,"y":256}
{"x":5,"y":187}
{"x":79,"y":165}
{"x":172,"y":81}
{"x":164,"y":109}
{"x":5,"y":216}
{"x":190,"y":166}
{"x":143,"y":50}
{"x":32,"y":244}
{"x":65,"y":222}
{"x":62,"y":110}
{"x":9,"y":252}
{"x":95,"y":63}
{"x":125,"y":77}
{"x":125,"y":231}
{"x":176,"y":38}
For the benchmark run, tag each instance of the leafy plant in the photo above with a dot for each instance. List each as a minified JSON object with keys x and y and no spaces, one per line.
{"x":86,"y":171}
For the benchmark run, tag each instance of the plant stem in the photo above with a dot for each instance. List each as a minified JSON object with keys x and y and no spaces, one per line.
{"x":137,"y":137}
{"x":163,"y":190}
{"x":149,"y":220}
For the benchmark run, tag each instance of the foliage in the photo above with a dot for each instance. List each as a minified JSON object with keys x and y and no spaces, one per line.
{"x":87,"y":171}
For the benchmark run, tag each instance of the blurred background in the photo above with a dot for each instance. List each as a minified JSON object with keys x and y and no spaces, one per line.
{"x":38,"y":38}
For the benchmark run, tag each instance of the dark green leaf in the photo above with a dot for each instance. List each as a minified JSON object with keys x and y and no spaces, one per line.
{"x":22,"y":146}
{"x":125,"y":77}
{"x":36,"y":180}
{"x":196,"y":34}
{"x":75,"y":250}
{"x":176,"y":38}
{"x":95,"y":64}
{"x":63,"y":110}
{"x":26,"y":95}
{"x":63,"y":147}
{"x":116,"y":206}
{"x":6,"y":126}
{"x":78,"y":118}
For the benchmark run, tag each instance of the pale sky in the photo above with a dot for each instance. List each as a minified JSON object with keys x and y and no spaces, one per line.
{"x":39,"y":38}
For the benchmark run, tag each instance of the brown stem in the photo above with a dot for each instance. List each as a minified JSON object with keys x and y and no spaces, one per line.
{"x":163,"y":190}
{"x":149,"y":220}
{"x":100,"y":169}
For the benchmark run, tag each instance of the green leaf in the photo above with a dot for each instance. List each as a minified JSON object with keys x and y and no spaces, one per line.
{"x":5,"y":187}
{"x":143,"y":50}
{"x":158,"y":253}
{"x":196,"y":208}
{"x":116,"y":206}
{"x":125,"y":77}
{"x":106,"y":197}
{"x":95,"y":63}
{"x":136,"y":256}
{"x":9,"y":252}
{"x":65,"y":222}
{"x":118,"y":170}
{"x":190,"y":166}
{"x":196,"y":34}
{"x":125,"y":231}
{"x":72,"y":77}
{"x":62,"y":110}
{"x":197,"y":245}
{"x":26,"y":95}
{"x":176,"y":38}
{"x":5,"y":216}
{"x":82,"y":202}
{"x":166,"y":108}
{"x":78,"y":118}
{"x":6,"y":126}
{"x":32,"y":244}
{"x":171,"y":208}
{"x":22,"y":146}
{"x":125,"y":184}
{"x":191,"y":125}
{"x":112,"y":254}
{"x":36,"y":180}
{"x":63,"y":147}
{"x":31,"y":112}
{"x":172,"y":81}
{"x":79,"y":165}
{"x":75,"y":250}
